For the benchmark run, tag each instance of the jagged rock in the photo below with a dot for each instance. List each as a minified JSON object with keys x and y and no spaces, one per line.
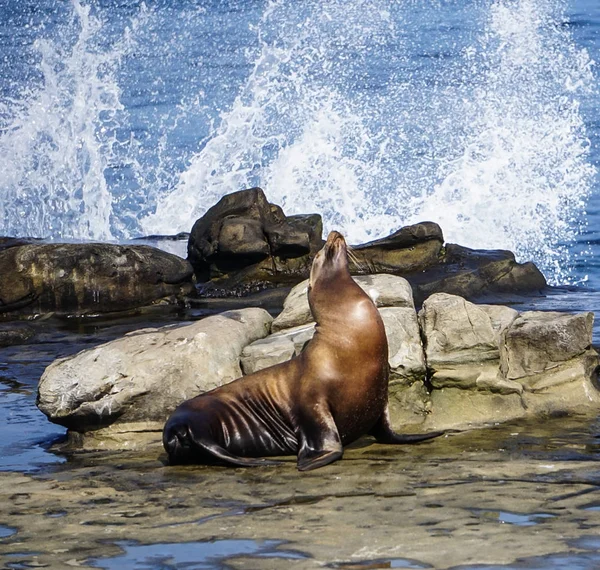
{"x":489,"y":363}
{"x":462,"y":345}
{"x":472,"y":274}
{"x":244,"y":240}
{"x":243,"y":244}
{"x":139,"y":379}
{"x":88,"y":278}
{"x":410,"y":249}
{"x":385,"y":290}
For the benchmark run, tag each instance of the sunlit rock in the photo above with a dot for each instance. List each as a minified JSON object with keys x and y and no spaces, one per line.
{"x":133,"y":383}
{"x":385,"y":290}
{"x":489,"y":363}
{"x":88,"y":278}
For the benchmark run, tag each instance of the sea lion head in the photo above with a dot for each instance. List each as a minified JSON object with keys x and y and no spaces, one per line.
{"x":331,"y":262}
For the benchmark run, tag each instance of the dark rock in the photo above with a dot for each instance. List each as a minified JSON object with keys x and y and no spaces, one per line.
{"x":88,"y":278}
{"x":472,"y":273}
{"x":410,"y":249}
{"x":243,"y":245}
{"x":15,"y":333}
{"x":243,"y":241}
{"x":8,"y":242}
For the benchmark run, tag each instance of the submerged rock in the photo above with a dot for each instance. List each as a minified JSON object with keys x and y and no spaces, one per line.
{"x":88,"y":278}
{"x":131,"y":385}
{"x":15,"y":333}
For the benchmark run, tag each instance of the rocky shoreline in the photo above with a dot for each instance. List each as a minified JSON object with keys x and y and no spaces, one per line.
{"x":455,"y":364}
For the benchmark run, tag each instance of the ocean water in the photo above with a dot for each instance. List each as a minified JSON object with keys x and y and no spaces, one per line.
{"x":120,"y":119}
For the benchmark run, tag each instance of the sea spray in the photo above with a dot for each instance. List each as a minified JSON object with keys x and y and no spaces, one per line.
{"x":59,"y":140}
{"x":522,"y":176}
{"x":374,"y":114}
{"x":290,"y":129}
{"x":485,"y":139}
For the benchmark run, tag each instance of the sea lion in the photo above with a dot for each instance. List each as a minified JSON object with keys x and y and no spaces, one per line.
{"x":332,"y":393}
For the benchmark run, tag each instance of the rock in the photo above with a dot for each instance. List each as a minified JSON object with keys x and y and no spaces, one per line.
{"x":406,"y":355}
{"x":139,"y":379}
{"x":473,"y":274}
{"x":385,"y":290}
{"x":456,"y":332}
{"x":544,"y":349}
{"x":276,"y":348}
{"x":410,"y":249}
{"x":15,"y":333}
{"x":89,"y":278}
{"x":490,"y":364}
{"x":244,"y":244}
{"x":244,"y":241}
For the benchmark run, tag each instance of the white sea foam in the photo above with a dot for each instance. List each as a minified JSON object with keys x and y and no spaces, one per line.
{"x":523,"y":176}
{"x":58,"y":140}
{"x":494,"y":150}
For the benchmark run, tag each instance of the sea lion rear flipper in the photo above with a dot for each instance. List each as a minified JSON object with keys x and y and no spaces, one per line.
{"x":382,"y":431}
{"x":320,"y":442}
{"x":224,"y":455}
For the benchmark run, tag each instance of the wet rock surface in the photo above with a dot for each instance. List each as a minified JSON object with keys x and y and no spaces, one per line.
{"x":512,"y":496}
{"x":89,"y":278}
{"x":517,"y":496}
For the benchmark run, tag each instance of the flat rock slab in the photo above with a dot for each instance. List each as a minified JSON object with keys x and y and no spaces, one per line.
{"x":487,"y":497}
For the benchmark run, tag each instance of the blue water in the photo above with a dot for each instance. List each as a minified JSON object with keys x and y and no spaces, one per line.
{"x":122,"y":119}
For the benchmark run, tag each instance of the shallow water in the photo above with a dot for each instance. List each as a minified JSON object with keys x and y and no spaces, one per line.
{"x":523,"y":495}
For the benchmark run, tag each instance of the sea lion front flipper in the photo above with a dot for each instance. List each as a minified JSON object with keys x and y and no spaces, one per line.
{"x":319,"y":440}
{"x":382,"y":431}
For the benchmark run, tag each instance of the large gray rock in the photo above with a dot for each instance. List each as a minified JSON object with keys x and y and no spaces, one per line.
{"x":385,"y":290}
{"x":490,"y":364}
{"x":544,"y":349}
{"x":276,"y":348}
{"x":136,"y":381}
{"x":462,"y":343}
{"x":86,"y":278}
